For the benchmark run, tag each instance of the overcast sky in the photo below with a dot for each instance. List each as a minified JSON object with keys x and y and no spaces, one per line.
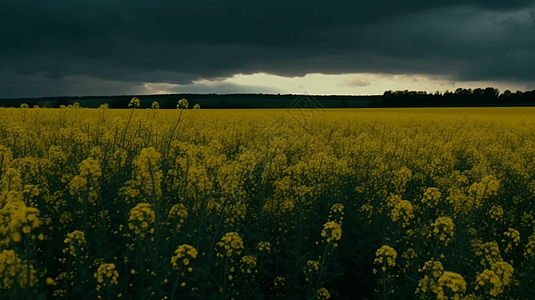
{"x":111,"y":47}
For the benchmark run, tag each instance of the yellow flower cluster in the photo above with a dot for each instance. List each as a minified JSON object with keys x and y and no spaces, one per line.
{"x":279,"y":281}
{"x":496,"y":213}
{"x":11,"y":181}
{"x":529,"y":251}
{"x":488,"y":186}
{"x":75,"y":240}
{"x":332,"y":231}
{"x":248,"y":264}
{"x":403,"y":209}
{"x":336,"y":213}
{"x":182,"y":104}
{"x":489,"y":252}
{"x":385,"y":256}
{"x":400,"y":180}
{"x":90,"y":172}
{"x":444,"y":229}
{"x":106,"y":274}
{"x":323,"y":294}
{"x":311,"y":267}
{"x":183,"y":254}
{"x":494,"y":280}
{"x":514,"y":239}
{"x":16,"y":217}
{"x":12,"y":269}
{"x":433,"y":266}
{"x":288,"y":205}
{"x":178,"y":210}
{"x":450,"y":286}
{"x":134,"y":102}
{"x":433,"y":270}
{"x":90,"y":167}
{"x":431,"y":196}
{"x":264,"y":246}
{"x":141,"y":217}
{"x":337,"y":208}
{"x":232,"y":243}
{"x":147,"y":173}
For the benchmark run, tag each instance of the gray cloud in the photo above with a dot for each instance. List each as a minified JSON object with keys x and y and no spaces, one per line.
{"x":112,"y":47}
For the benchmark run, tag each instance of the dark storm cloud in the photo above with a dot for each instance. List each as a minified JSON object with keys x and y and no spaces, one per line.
{"x":49,"y":46}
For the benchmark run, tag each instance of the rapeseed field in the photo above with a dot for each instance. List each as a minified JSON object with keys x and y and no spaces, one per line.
{"x":267,"y":204}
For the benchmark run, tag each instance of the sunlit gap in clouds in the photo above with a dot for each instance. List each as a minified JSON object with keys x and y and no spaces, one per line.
{"x":324,"y":84}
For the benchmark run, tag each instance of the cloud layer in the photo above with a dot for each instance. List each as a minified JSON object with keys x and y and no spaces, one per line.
{"x":115,"y":47}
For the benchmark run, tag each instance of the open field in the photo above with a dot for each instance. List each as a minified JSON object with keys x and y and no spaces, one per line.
{"x":419,"y":203}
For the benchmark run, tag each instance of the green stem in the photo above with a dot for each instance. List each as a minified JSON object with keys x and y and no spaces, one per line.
{"x":322,"y":267}
{"x":210,"y":253}
{"x":176,"y":281}
{"x":126,"y":273}
{"x":26,"y":290}
{"x":86,"y":206}
{"x":126,"y":128}
{"x":156,"y":207}
{"x":384,"y":281}
{"x":172,"y":133}
{"x":189,"y":123}
{"x":430,"y":271}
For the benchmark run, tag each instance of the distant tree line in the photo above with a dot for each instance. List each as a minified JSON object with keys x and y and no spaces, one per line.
{"x":460,"y":97}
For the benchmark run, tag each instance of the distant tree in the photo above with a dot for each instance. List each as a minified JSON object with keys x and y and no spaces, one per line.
{"x":477,"y":92}
{"x":490,"y":92}
{"x":463,"y":92}
{"x":506,"y":94}
{"x":47,"y":104}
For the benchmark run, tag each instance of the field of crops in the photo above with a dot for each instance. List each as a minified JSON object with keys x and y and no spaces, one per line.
{"x":266,"y":204}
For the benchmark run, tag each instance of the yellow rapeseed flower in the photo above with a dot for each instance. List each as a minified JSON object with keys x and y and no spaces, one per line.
{"x":106,"y":273}
{"x":450,"y":283}
{"x":385,"y":256}
{"x":332,"y":231}
{"x":248,"y":263}
{"x":444,"y":228}
{"x":183,"y":252}
{"x":134,"y":102}
{"x":182,"y":104}
{"x":402,"y":209}
{"x":264,"y":246}
{"x":323,"y":294}
{"x":232,"y":243}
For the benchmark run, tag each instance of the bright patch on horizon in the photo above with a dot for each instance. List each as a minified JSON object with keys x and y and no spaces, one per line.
{"x":323,"y":84}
